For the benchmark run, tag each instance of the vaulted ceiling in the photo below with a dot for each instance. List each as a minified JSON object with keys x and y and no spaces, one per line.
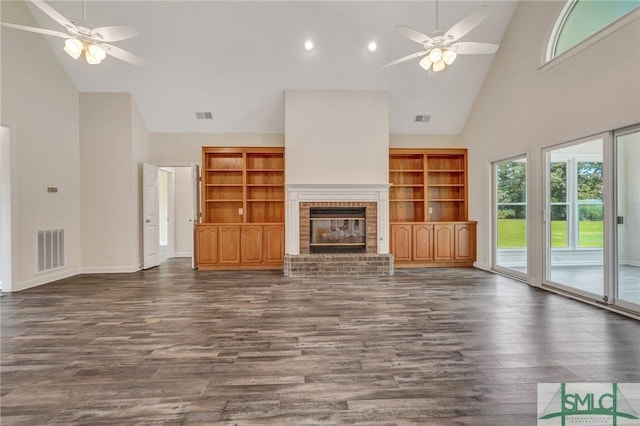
{"x":236,"y":58}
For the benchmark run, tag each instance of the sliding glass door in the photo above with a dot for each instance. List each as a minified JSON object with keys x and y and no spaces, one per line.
{"x":510,"y":216}
{"x":627,"y":267}
{"x":575,"y":217}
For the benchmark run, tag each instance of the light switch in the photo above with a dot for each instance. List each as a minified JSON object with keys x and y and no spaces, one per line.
{"x":52,"y":189}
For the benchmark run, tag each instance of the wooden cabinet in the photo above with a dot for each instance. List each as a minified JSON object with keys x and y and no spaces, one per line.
{"x":401,"y":242}
{"x":273,"y":244}
{"x":243,"y":246}
{"x":465,"y":241}
{"x":229,"y":244}
{"x":422,"y":247}
{"x":206,"y":244}
{"x":444,"y":243}
{"x":243,"y":195}
{"x":433,"y":244}
{"x":251,"y":244}
{"x":428,"y":211}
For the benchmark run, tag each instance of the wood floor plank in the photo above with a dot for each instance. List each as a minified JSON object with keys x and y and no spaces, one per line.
{"x":175,"y":346}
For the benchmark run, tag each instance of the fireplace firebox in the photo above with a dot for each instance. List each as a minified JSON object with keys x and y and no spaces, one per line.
{"x":337,"y":230}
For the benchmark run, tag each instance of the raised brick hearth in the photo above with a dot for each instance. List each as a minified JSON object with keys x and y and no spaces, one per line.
{"x":338,"y":264}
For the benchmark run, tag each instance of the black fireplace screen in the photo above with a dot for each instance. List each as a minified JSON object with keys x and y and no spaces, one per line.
{"x":338,"y":230}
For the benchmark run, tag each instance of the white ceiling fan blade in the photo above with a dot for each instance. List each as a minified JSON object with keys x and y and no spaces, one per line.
{"x":412,"y":34}
{"x":36,"y":30}
{"x":117,"y":33}
{"x":474,"y":48}
{"x":54,"y":14}
{"x":468,"y":23}
{"x":122,"y":54}
{"x":406,"y":58}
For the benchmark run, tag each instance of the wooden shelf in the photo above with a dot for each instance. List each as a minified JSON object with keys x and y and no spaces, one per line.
{"x":427,"y":185}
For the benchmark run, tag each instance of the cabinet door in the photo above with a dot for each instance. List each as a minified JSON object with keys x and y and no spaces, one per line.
{"x":401,"y":242}
{"x":229,"y":244}
{"x":251,"y":244}
{"x":206,"y":244}
{"x":443,"y":235}
{"x":422,"y":242}
{"x":465,"y":241}
{"x":274,"y":244}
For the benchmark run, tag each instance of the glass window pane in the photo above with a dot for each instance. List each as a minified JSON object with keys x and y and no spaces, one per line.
{"x":589,"y":181}
{"x":587,"y":17}
{"x":590,"y":230}
{"x":558,"y":182}
{"x":512,"y":182}
{"x":559,"y":225}
{"x":511,"y":214}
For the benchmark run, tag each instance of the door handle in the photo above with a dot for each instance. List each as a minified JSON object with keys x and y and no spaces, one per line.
{"x":147,"y":221}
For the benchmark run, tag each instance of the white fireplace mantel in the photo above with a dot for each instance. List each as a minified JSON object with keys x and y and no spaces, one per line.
{"x":296,"y":193}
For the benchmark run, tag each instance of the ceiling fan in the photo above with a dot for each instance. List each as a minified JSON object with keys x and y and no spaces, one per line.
{"x":442,"y":47}
{"x":93,"y":42}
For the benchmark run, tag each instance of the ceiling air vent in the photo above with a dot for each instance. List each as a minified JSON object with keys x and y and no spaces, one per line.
{"x":204,"y":116}
{"x":422,"y":119}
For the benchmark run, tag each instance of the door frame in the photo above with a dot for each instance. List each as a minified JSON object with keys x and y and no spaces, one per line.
{"x":614,"y":253}
{"x":607,"y":240}
{"x":494,"y":217}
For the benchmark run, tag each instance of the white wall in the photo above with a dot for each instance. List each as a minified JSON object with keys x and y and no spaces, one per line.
{"x":426,"y":141}
{"x":40,"y":105}
{"x":336,"y":136}
{"x":114,"y":142}
{"x":520,"y":107}
{"x":182,"y":149}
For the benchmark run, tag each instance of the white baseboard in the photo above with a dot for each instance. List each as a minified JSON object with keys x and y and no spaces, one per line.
{"x":111,"y":269}
{"x":183,"y":254}
{"x":46,"y":278}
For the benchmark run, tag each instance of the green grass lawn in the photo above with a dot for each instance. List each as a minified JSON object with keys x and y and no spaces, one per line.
{"x":512,"y":233}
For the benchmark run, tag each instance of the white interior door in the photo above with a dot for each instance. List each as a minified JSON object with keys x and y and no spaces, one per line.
{"x":195,"y":183}
{"x":150,"y":213}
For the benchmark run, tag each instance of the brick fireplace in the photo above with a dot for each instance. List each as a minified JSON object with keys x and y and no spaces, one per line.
{"x":299,"y":261}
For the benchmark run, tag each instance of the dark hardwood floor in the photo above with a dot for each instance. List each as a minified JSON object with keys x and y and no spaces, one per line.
{"x":176,"y":346}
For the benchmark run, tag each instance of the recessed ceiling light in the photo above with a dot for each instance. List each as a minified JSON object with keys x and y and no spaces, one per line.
{"x":372,"y":46}
{"x":308,"y":45}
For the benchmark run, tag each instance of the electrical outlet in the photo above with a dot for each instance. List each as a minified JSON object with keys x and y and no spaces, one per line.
{"x":240,"y":211}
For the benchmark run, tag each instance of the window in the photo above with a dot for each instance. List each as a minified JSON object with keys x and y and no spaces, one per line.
{"x":581,"y":19}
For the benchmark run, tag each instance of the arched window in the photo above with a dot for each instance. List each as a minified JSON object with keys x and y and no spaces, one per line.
{"x":582,"y":18}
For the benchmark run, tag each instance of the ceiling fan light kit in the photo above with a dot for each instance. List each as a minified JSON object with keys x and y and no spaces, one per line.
{"x":442,"y":48}
{"x":93,"y":53}
{"x":93,"y":42}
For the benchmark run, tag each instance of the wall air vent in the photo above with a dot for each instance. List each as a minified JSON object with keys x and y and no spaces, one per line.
{"x":422,"y":119}
{"x":205,"y":115}
{"x":50,"y":249}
